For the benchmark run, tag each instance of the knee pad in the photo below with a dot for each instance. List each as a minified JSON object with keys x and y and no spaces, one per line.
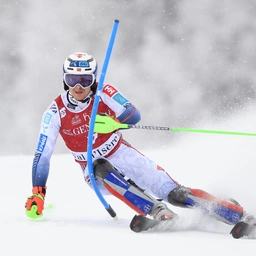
{"x":178,"y":196}
{"x":101,"y":168}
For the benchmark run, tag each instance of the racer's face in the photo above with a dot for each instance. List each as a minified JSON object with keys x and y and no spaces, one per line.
{"x":78,"y":92}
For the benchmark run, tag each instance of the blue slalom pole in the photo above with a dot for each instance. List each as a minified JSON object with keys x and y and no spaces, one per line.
{"x":93,"y":117}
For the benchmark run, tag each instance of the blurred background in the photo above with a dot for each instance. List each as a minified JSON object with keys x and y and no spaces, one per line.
{"x":182,"y":63}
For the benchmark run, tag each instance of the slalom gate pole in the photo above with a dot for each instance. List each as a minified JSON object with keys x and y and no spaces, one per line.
{"x":93,"y":116}
{"x":106,"y":124}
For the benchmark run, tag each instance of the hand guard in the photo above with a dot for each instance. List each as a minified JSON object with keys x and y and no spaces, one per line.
{"x":35,"y":203}
{"x":114,"y":118}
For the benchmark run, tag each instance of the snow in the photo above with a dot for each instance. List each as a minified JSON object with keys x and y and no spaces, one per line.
{"x":78,"y":224}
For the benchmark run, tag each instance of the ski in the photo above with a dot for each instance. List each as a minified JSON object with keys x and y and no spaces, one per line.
{"x":244,"y":228}
{"x":141,"y":223}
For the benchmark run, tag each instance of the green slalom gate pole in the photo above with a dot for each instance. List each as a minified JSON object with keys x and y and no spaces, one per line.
{"x":106,"y":124}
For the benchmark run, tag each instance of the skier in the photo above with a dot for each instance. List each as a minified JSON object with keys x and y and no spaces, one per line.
{"x":119,"y":169}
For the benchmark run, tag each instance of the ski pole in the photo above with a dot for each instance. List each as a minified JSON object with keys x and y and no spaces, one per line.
{"x":93,"y":116}
{"x":106,"y":124}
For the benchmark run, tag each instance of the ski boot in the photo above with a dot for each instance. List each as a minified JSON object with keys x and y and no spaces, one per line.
{"x":161,"y":212}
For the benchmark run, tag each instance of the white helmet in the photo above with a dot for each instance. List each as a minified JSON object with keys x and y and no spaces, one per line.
{"x":79,"y":64}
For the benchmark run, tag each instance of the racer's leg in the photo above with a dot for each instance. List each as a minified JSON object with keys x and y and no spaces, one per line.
{"x":127,"y":191}
{"x":227,"y":211}
{"x":143,"y":171}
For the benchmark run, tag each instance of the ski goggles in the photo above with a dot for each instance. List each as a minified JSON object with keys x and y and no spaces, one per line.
{"x":85,"y":80}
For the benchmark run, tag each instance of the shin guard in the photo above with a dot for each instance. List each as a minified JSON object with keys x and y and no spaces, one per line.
{"x":129,"y":194}
{"x":222,"y":210}
{"x":123,"y":188}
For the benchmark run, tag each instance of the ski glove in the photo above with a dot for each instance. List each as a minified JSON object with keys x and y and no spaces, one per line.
{"x":35,"y":203}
